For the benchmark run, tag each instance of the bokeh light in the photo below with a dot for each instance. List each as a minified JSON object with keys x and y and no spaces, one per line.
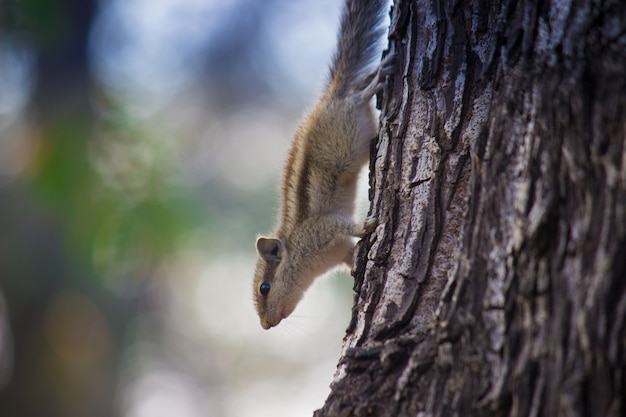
{"x":141,"y":145}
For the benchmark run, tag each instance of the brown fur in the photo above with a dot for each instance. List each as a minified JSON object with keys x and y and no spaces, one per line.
{"x":331,"y":146}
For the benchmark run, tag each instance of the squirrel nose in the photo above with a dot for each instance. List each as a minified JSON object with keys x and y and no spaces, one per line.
{"x":266,"y":324}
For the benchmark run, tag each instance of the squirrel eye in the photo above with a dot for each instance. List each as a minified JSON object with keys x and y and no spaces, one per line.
{"x":264,"y":289}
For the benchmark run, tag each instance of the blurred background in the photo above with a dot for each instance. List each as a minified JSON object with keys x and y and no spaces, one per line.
{"x":141,"y":144}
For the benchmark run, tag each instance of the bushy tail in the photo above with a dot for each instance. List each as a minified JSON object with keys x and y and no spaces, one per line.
{"x":359,"y":44}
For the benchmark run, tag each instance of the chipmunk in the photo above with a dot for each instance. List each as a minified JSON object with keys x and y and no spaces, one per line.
{"x":331,"y":146}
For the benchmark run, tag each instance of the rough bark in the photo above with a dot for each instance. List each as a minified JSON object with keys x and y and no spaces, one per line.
{"x":495,"y":283}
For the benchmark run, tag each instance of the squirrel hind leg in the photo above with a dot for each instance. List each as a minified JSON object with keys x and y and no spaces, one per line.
{"x":375,"y":82}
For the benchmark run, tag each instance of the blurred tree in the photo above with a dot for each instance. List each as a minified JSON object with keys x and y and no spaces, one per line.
{"x":240,"y":66}
{"x":64,"y":361}
{"x":233,"y":74}
{"x":496,"y":282}
{"x":91,"y":214}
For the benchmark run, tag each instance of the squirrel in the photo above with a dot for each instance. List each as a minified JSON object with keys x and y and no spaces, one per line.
{"x":331,"y":146}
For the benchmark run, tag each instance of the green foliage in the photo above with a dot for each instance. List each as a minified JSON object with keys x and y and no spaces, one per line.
{"x":108,"y":182}
{"x":43,"y":19}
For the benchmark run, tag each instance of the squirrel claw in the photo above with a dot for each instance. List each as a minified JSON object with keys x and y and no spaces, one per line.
{"x":384,"y":69}
{"x":368,"y":225}
{"x":387,"y":64}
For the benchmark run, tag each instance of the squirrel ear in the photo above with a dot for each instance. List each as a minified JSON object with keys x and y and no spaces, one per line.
{"x":270,"y":249}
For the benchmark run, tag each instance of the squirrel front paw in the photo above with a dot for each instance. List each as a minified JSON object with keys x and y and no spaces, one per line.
{"x":368,"y":226}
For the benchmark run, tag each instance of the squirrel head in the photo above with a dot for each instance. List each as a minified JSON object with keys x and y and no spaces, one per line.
{"x":277,"y":286}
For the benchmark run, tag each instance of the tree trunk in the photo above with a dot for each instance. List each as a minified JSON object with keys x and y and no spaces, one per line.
{"x":495,"y":283}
